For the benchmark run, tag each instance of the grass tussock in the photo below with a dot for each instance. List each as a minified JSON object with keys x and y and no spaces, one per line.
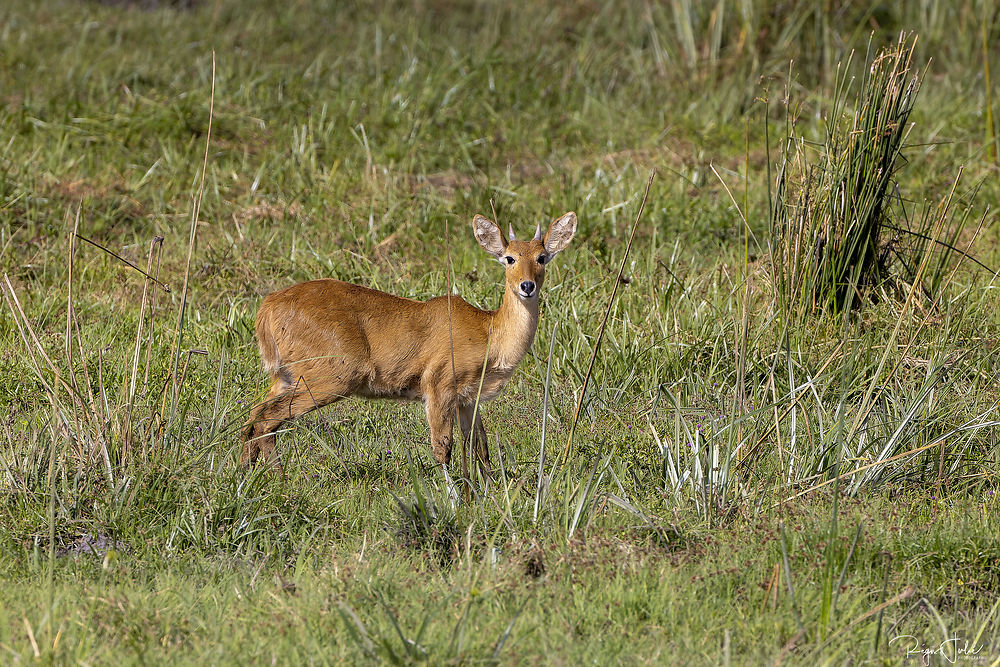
{"x":428,"y":525}
{"x":835,"y":229}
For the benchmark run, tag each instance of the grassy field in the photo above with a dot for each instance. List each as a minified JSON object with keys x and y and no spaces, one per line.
{"x":758,"y":475}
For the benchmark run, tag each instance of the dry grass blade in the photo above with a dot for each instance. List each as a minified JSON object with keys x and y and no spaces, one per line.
{"x":545,"y":417}
{"x":69,"y":300}
{"x":165,"y":287}
{"x":25,"y":329}
{"x":475,"y":407}
{"x":451,"y":342}
{"x":195,"y":211}
{"x":138,"y":340}
{"x":905,"y":594}
{"x":604,"y":322}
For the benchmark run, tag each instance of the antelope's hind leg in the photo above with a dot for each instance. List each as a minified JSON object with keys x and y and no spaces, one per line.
{"x":282,"y":404}
{"x":258,"y":432}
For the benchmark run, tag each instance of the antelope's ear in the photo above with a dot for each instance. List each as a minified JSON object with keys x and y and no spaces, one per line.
{"x":560,"y":233}
{"x":489,"y":236}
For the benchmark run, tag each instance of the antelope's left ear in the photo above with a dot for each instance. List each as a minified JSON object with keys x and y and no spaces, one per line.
{"x":560,"y":233}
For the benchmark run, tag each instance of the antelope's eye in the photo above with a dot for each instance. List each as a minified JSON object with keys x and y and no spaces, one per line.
{"x":508,"y":259}
{"x":542,"y":259}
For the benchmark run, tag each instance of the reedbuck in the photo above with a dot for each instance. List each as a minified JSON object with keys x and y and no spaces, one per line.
{"x":325,"y":340}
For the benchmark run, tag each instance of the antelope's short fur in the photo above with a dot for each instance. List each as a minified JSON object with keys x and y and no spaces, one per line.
{"x":325,"y":340}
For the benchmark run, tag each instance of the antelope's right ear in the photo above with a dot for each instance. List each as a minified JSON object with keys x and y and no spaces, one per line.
{"x":489,"y":236}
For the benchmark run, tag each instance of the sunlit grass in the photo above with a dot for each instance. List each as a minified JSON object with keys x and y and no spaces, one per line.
{"x":695,"y":522}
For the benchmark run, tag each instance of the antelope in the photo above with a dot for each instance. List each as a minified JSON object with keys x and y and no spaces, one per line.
{"x":325,"y":340}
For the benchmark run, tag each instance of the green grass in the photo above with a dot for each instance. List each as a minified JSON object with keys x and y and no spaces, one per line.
{"x":745,"y":485}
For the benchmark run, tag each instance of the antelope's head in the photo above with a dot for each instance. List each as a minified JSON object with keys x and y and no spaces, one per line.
{"x":525,"y":260}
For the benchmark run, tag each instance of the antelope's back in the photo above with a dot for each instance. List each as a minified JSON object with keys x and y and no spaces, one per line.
{"x":385,"y":342}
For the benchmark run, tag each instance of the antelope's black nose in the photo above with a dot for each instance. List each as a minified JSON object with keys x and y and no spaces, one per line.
{"x":527,"y":288}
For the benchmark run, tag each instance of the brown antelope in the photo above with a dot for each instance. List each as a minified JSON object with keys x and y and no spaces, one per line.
{"x":325,"y":340}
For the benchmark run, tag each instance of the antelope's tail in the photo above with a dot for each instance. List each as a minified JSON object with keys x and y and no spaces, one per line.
{"x":265,"y":341}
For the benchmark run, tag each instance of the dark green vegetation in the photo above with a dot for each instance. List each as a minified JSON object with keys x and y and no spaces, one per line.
{"x":753,"y":479}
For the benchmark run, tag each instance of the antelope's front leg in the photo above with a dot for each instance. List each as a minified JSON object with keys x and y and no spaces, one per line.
{"x":475,"y":434}
{"x":440,"y":418}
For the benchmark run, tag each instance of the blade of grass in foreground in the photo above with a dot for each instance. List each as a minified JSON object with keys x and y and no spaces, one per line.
{"x":604,"y":322}
{"x":545,"y":419}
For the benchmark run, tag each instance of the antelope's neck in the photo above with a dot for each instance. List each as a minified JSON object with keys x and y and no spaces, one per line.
{"x":514,"y":326}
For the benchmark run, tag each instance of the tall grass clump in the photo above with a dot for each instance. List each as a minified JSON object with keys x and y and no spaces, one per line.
{"x":834,"y":226}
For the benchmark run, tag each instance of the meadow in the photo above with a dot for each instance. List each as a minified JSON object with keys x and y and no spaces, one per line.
{"x":786,"y":452}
